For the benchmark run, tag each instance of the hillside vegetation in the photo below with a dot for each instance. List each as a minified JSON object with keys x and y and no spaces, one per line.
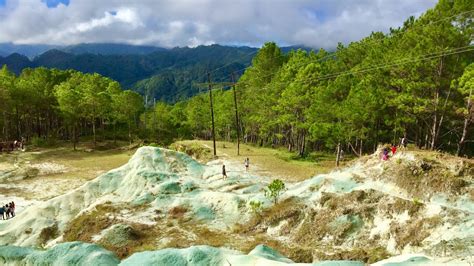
{"x":415,"y":82}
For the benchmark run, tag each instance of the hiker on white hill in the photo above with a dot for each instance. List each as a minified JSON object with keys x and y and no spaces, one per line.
{"x":12,"y":209}
{"x":224,"y":174}
{"x":247,"y":163}
{"x":403,"y":143}
{"x":7,"y":211}
{"x":385,"y":154}
{"x":394,"y":149}
{"x":2,"y":213}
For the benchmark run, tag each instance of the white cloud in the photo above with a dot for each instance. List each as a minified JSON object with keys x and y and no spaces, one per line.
{"x":170,"y":23}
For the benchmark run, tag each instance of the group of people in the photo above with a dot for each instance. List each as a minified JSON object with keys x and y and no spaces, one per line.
{"x":7,"y":211}
{"x":392,"y":149}
{"x":246,"y":164}
{"x":7,"y":146}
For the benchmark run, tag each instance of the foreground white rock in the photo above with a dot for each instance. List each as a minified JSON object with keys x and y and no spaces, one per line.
{"x":76,"y":253}
{"x":159,"y":180}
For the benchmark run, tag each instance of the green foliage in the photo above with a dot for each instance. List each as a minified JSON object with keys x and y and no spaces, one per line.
{"x":413,"y":82}
{"x":274,"y":189}
{"x":256,"y":206}
{"x":417,"y":202}
{"x":38,"y":142}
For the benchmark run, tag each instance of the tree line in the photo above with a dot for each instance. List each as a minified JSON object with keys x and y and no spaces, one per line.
{"x":415,"y":82}
{"x":52,"y":104}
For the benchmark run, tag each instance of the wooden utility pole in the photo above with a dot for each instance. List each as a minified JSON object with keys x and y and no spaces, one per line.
{"x":338,"y":154}
{"x":154,"y":114}
{"x":212,"y":112}
{"x":236,"y":114}
{"x":144,"y":117}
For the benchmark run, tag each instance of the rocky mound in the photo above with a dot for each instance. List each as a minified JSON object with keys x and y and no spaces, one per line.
{"x":163,"y":199}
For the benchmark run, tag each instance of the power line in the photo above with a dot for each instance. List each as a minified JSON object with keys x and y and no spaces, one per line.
{"x":401,"y":61}
{"x":332,"y":54}
{"x":406,"y":61}
{"x":394,"y":63}
{"x":371,"y":41}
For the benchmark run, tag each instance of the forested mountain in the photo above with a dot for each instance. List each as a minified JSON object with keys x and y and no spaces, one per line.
{"x":16,"y":62}
{"x":110,"y":49}
{"x":29,"y":50}
{"x":158,"y":75}
{"x":33,"y":50}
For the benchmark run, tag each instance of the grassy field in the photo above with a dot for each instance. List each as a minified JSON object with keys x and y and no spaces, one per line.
{"x":275,"y":162}
{"x":83,"y":163}
{"x":56,"y":170}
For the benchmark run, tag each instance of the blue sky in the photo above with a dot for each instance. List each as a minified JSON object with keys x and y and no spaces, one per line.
{"x":54,"y":3}
{"x":170,"y":23}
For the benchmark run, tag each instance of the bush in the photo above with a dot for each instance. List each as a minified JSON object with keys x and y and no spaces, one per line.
{"x":256,"y":206}
{"x":274,"y":189}
{"x":41,"y":142}
{"x":38,"y":142}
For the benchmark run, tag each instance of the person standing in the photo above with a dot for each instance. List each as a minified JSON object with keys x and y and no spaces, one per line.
{"x":384,"y":154}
{"x":224,"y":174}
{"x":12,"y":208}
{"x":394,"y":149}
{"x":403,"y":143}
{"x":7,"y":211}
{"x":246,"y":163}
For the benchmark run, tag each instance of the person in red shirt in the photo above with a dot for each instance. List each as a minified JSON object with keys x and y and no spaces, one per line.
{"x":394,"y":149}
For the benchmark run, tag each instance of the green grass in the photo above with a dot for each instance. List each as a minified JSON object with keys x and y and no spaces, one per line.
{"x":273,"y":162}
{"x":82,"y":163}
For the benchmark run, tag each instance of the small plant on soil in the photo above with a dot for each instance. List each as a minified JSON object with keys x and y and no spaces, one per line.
{"x":315,"y":187}
{"x":256,"y":206}
{"x":417,"y":202}
{"x":274,"y":189}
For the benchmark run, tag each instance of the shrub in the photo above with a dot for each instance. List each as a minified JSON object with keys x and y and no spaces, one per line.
{"x":256,"y":206}
{"x":48,"y":233}
{"x":274,"y":189}
{"x":38,"y":142}
{"x":417,"y":201}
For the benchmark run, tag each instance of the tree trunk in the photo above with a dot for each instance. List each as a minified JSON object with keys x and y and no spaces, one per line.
{"x":74,"y":137}
{"x":467,"y":121}
{"x":115,"y":133}
{"x":435,"y":128}
{"x":5,"y":125}
{"x":354,"y":150}
{"x":338,"y":154}
{"x":93,"y":132}
{"x":303,"y":144}
{"x":129,"y":134}
{"x":17,"y":122}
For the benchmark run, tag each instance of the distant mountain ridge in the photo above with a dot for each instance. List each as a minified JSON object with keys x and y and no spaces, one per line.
{"x":33,"y":50}
{"x":164,"y":74}
{"x":28,"y":50}
{"x":110,"y":49}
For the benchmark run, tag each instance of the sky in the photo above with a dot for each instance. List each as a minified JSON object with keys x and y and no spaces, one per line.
{"x":171,"y":23}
